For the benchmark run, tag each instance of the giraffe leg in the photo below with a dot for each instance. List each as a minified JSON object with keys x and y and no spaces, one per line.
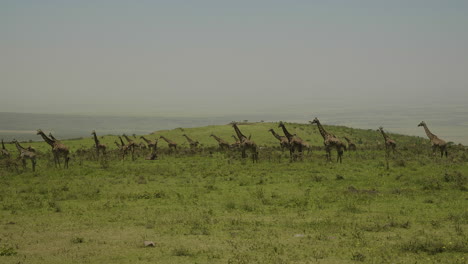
{"x":339,"y":152}
{"x":24,"y":163}
{"x":434,"y":147}
{"x":56,"y":160}
{"x":33,"y":164}
{"x":328,"y":154}
{"x":299,"y":150}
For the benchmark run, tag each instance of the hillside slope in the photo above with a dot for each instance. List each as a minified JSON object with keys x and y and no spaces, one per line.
{"x":258,"y":132}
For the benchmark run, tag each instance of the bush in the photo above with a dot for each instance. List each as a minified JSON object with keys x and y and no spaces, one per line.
{"x":8,"y":251}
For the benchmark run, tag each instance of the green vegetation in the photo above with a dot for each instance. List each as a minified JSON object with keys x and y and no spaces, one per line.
{"x":210,"y":206}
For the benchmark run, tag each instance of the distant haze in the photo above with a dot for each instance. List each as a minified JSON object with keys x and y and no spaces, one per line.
{"x":202,"y":57}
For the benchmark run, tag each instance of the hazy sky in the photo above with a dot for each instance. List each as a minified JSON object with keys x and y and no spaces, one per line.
{"x":199,"y":56}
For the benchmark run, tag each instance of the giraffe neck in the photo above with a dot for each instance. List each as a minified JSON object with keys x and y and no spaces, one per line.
{"x":117,"y":144}
{"x":322,"y":130}
{"x":46,"y":139}
{"x":146,"y":140}
{"x":275,"y":135}
{"x":121,"y":142}
{"x":217,"y":138}
{"x":19,"y":147}
{"x":3,"y":145}
{"x":96,"y":140}
{"x":239,"y":133}
{"x":428,"y":132}
{"x":52,"y":137}
{"x":165,"y":139}
{"x":128,"y":139}
{"x":188,"y":139}
{"x":286,"y":132}
{"x":384,"y":134}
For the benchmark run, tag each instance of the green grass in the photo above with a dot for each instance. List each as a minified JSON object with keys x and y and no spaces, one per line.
{"x":212,"y":207}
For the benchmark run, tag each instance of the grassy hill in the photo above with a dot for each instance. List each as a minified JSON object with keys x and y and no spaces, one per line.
{"x":213,"y":207}
{"x":258,"y":131}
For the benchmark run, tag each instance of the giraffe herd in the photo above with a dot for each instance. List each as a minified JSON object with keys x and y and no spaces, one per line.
{"x":246,"y":145}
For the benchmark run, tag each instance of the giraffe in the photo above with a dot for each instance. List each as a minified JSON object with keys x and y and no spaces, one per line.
{"x":351,"y":145}
{"x":389,"y":143}
{"x":125,"y":148}
{"x":284,"y":142}
{"x":436,"y":142}
{"x":223,"y":144}
{"x":193,"y":143}
{"x":236,"y":143}
{"x":304,"y":145}
{"x":5,"y":152}
{"x":26,"y":154}
{"x":149,"y":142}
{"x":99,"y":147}
{"x":153,"y":155}
{"x":330,"y":141}
{"x":28,"y":148}
{"x":295,"y":142}
{"x":58,"y":149}
{"x":246,"y":144}
{"x":170,"y":143}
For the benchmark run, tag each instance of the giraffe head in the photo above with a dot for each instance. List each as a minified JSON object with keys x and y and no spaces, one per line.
{"x":380,"y":128}
{"x":315,"y":121}
{"x":422,"y":124}
{"x":94,"y":132}
{"x":39,"y":131}
{"x":270,"y":130}
{"x":281,"y":124}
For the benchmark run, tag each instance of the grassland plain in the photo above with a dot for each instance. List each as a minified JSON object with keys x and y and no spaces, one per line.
{"x":210,"y":206}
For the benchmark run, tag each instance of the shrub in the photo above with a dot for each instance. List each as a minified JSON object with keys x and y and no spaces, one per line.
{"x":77,"y":240}
{"x":182,"y":252}
{"x":8,"y":251}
